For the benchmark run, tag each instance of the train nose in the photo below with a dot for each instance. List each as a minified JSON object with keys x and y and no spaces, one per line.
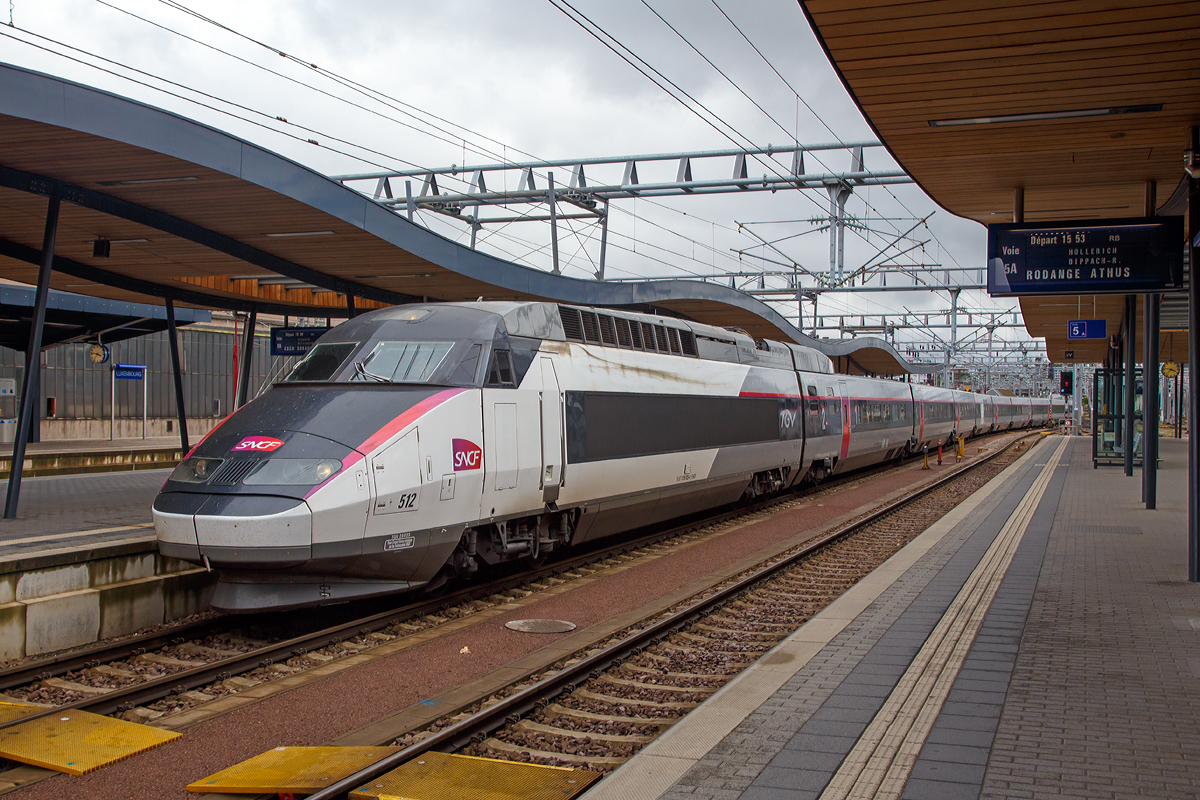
{"x":236,"y":531}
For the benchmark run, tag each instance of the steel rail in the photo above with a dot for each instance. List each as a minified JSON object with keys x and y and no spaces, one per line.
{"x":478,"y":725}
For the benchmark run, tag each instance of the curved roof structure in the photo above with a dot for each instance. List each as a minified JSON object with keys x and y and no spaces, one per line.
{"x":1085,"y":107}
{"x":204,"y":218}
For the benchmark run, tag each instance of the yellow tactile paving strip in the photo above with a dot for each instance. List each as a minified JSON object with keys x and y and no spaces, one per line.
{"x":439,"y":776}
{"x":78,"y":742}
{"x":291,"y":769}
{"x":880,"y":763}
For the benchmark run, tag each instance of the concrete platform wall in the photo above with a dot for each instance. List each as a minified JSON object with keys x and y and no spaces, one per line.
{"x":57,"y":607}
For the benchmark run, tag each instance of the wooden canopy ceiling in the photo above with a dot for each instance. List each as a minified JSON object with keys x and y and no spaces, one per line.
{"x":932,"y":77}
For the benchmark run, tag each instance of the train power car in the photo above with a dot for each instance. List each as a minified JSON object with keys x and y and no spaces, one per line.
{"x":414,"y":443}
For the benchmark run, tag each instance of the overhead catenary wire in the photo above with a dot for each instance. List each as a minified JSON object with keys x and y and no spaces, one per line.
{"x":801,"y":99}
{"x":381,"y":97}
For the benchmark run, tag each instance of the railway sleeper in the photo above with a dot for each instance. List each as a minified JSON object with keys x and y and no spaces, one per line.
{"x":62,"y":685}
{"x":612,"y":700}
{"x":107,"y":671}
{"x":685,"y":675}
{"x":168,"y":661}
{"x":654,"y":687}
{"x":732,"y":624}
{"x":672,"y":658}
{"x":556,"y":710}
{"x":512,"y":749}
{"x":714,"y":645}
{"x":737,"y":631}
{"x":525,"y":726}
{"x":210,"y":653}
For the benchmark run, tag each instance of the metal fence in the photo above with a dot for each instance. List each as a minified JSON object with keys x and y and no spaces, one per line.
{"x":83,"y":390}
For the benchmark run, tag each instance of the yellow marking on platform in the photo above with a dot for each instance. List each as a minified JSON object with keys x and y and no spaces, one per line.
{"x":11,"y":711}
{"x":439,"y":776}
{"x":77,"y":742}
{"x":50,"y":537}
{"x":291,"y":769}
{"x":879,"y":765}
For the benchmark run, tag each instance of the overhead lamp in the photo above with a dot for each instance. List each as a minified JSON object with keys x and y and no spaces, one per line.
{"x":117,"y":241}
{"x":412,"y":275}
{"x":147,"y":181}
{"x":1045,"y":115}
{"x":292,"y":234}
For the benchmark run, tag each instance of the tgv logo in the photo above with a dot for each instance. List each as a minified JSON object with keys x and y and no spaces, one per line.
{"x":467,"y":455}
{"x":258,"y":444}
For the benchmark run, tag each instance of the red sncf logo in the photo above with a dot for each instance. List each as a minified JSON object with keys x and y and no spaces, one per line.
{"x":467,"y":455}
{"x":258,"y":444}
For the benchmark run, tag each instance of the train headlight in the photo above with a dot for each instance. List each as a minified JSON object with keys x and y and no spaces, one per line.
{"x":293,"y":472}
{"x":196,"y":470}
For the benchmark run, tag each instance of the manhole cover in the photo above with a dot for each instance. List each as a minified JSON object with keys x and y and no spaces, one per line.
{"x":540,"y":625}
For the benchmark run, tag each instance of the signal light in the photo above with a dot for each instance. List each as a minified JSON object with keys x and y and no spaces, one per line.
{"x":1067,"y":382}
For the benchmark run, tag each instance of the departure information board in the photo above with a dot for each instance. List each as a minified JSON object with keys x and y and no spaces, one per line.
{"x":1112,"y":256}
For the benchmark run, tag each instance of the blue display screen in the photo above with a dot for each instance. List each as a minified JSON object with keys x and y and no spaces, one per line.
{"x":1116,"y":256}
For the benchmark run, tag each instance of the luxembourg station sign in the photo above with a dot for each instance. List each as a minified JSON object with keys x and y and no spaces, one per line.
{"x":1113,"y":256}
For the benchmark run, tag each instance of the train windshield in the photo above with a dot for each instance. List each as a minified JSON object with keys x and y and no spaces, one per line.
{"x":401,"y":362}
{"x":322,"y":362}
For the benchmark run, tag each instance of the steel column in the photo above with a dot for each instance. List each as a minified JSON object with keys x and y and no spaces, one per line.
{"x":1145,"y":396}
{"x":33,"y":360}
{"x":177,"y":371}
{"x":1130,"y":358}
{"x":350,"y":310}
{"x":1150,"y":404}
{"x":1193,"y":229}
{"x":243,"y":384}
{"x":553,"y":220}
{"x":1179,"y":403}
{"x":604,"y":241}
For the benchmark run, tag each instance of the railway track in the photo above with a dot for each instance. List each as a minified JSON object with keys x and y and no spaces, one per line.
{"x":147,"y":677}
{"x":599,"y":708}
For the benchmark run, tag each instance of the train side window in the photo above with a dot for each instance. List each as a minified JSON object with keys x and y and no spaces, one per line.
{"x":813,"y":403}
{"x":500,"y":373}
{"x":464,"y":373}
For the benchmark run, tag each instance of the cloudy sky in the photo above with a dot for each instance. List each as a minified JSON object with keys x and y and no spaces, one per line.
{"x":404,"y":84}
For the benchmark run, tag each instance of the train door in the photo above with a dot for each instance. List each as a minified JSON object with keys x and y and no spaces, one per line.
{"x":845,"y":395}
{"x":552,"y":433}
{"x":396,"y":518}
{"x":512,"y":454}
{"x":396,"y":471}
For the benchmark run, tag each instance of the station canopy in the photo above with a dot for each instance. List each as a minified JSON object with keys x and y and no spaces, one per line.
{"x":1079,"y":104}
{"x":187,"y":212}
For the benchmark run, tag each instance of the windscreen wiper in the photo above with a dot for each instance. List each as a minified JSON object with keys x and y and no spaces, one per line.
{"x":361,"y":370}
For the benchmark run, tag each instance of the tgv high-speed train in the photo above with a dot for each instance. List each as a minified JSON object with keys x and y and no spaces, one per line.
{"x":413,"y":443}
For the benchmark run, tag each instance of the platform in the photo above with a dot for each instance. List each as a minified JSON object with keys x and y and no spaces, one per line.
{"x":67,"y":513}
{"x":81,"y":563}
{"x":1040,"y":640}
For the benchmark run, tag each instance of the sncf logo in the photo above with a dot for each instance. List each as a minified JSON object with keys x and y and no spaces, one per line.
{"x":258,"y":444}
{"x":467,"y":455}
